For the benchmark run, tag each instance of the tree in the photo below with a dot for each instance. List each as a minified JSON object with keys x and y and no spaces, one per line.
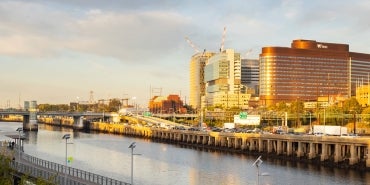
{"x":5,"y":169}
{"x":334,"y":115}
{"x":114,"y":105}
{"x":366,"y":113}
{"x":25,"y":179}
{"x":50,"y":107}
{"x":351,"y":105}
{"x":282,"y":107}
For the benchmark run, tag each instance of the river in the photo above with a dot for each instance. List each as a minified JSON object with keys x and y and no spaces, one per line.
{"x":167,"y":164}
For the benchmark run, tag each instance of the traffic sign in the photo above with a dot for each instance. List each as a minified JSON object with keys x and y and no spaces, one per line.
{"x":243,"y":115}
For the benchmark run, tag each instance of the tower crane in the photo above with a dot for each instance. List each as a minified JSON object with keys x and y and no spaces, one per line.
{"x":192,"y":45}
{"x":223,"y":40}
{"x":247,"y":53}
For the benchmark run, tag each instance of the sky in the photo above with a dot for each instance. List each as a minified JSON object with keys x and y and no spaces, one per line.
{"x":57,"y":51}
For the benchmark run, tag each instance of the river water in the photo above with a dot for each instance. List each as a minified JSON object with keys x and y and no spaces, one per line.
{"x":167,"y":164}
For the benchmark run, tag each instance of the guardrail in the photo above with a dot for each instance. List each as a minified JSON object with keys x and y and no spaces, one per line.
{"x":50,"y":170}
{"x":36,"y":172}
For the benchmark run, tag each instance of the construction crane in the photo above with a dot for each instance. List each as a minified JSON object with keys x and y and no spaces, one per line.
{"x":223,"y":40}
{"x":192,"y":45}
{"x":247,"y":53}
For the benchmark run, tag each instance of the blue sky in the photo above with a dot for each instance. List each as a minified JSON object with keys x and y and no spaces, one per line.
{"x":57,"y":51}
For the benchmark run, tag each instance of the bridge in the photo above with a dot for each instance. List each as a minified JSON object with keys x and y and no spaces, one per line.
{"x":30,"y":117}
{"x":176,"y":115}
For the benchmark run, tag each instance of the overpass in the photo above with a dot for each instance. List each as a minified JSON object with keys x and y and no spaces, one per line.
{"x":30,"y":117}
{"x":176,"y":115}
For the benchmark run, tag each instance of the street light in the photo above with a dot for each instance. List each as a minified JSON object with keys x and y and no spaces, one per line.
{"x":20,"y":129}
{"x":354,"y":121}
{"x":310,"y":121}
{"x":136,"y":108}
{"x":257,"y":163}
{"x":66,"y":137}
{"x":132,"y":146}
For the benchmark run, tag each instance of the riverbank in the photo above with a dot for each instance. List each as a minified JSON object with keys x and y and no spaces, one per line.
{"x":330,"y":151}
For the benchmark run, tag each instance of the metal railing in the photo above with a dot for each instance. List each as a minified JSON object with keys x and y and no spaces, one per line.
{"x":55,"y":172}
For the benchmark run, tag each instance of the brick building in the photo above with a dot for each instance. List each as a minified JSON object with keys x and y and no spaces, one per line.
{"x":166,"y":105}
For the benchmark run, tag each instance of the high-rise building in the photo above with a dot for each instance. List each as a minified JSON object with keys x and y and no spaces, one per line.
{"x":197,"y":84}
{"x":222,"y":76}
{"x":308,"y":70}
{"x":250,"y":76}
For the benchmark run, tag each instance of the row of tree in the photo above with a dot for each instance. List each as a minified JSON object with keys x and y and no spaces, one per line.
{"x":113,"y":106}
{"x":336,"y":114}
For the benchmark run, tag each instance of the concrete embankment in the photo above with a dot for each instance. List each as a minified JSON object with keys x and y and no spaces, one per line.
{"x":331,"y":151}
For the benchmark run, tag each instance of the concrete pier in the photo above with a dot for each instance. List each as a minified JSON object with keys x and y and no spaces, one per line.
{"x":330,"y":149}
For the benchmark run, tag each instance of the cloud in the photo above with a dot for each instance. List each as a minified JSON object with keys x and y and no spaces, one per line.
{"x":129,"y":36}
{"x":29,"y":30}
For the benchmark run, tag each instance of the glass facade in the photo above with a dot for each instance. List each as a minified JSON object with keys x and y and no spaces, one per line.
{"x":223,"y":80}
{"x":291,"y":74}
{"x":250,"y":74}
{"x":360,"y":70}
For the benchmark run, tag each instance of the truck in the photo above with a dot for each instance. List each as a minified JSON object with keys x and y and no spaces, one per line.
{"x":329,"y":130}
{"x":163,"y":125}
{"x":229,"y":125}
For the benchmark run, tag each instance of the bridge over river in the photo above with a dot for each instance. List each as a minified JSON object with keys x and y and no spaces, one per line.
{"x":29,"y":118}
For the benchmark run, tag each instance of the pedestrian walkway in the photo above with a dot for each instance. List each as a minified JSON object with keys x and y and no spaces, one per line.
{"x":60,"y":174}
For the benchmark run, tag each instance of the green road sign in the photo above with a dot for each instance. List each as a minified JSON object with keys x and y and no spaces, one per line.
{"x":147,"y":114}
{"x":243,"y":115}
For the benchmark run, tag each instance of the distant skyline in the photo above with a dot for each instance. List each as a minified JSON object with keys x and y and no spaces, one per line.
{"x":58,"y":51}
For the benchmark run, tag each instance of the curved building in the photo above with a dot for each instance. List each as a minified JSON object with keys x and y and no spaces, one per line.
{"x":308,"y":70}
{"x":197,"y":84}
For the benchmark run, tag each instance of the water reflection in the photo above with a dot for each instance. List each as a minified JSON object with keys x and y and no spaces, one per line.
{"x":162,"y":163}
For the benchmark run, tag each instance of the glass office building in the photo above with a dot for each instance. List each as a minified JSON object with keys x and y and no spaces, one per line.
{"x":250,"y":76}
{"x":309,"y":70}
{"x":222,"y":75}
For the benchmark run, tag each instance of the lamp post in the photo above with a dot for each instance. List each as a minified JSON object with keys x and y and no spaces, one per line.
{"x":135,"y":107}
{"x":20,"y":129}
{"x":310,"y":121}
{"x":66,"y":137}
{"x":78,"y":102}
{"x":354,"y":121}
{"x":257,"y":163}
{"x":132,"y":146}
{"x":324,"y":121}
{"x":354,"y":124}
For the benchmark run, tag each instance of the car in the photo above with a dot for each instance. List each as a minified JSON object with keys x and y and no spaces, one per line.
{"x":194,"y":129}
{"x":351,"y":135}
{"x":280,"y":132}
{"x":319,"y":134}
{"x":179,"y":128}
{"x":216,"y":129}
